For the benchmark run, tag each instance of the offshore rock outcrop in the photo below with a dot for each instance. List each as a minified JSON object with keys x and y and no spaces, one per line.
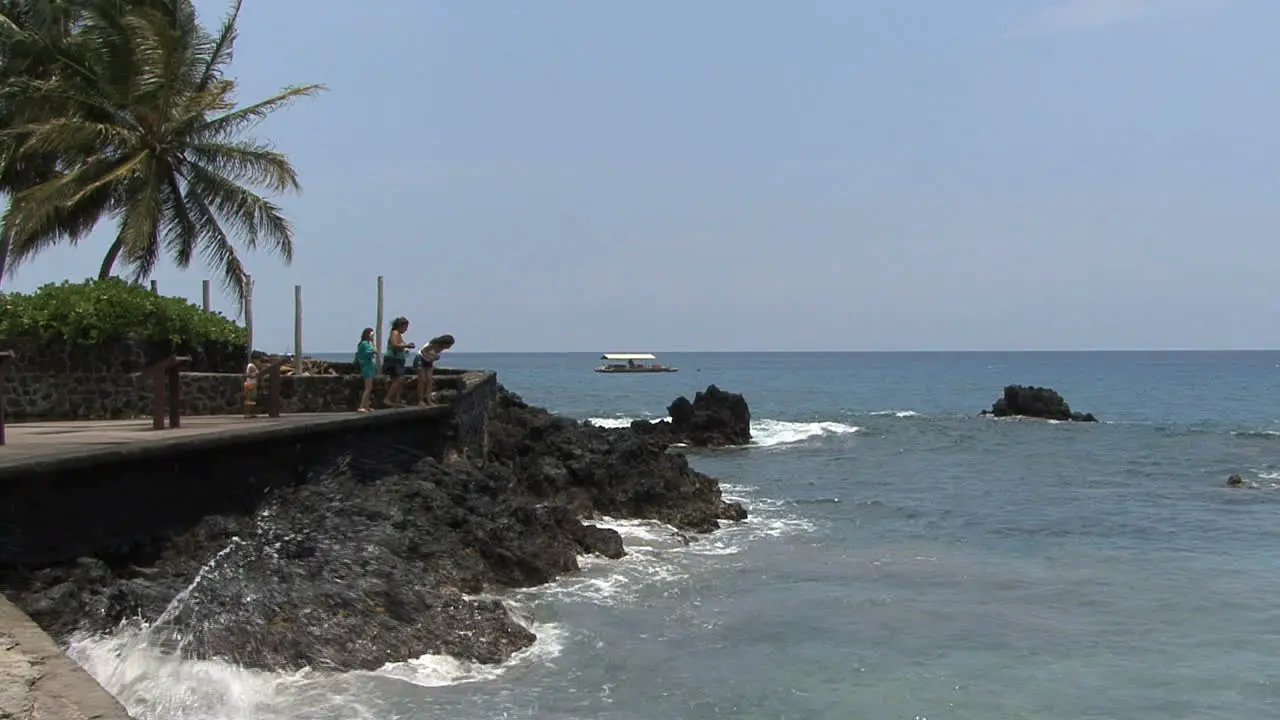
{"x":1235,"y":481}
{"x":358,"y":567}
{"x":714,"y":418}
{"x":1035,"y":402}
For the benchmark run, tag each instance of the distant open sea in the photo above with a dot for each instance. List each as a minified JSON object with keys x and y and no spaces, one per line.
{"x":905,"y":559}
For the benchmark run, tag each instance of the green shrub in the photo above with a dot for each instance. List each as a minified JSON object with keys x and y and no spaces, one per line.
{"x":98,"y":311}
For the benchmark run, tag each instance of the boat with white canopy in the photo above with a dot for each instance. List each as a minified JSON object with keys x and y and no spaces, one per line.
{"x":632,"y":363}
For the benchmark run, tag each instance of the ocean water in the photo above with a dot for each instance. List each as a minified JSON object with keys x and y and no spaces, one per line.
{"x":904,"y":558}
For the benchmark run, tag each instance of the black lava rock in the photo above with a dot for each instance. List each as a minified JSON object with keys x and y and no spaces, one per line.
{"x":714,"y":418}
{"x":360,"y":566}
{"x":1035,"y":402}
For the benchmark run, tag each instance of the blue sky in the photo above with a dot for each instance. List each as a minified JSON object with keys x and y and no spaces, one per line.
{"x":749,"y":175}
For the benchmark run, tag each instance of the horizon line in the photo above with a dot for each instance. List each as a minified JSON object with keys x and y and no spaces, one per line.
{"x":851,"y":352}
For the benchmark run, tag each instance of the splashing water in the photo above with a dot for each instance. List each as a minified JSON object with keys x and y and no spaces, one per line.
{"x":154,"y":683}
{"x":765,"y":433}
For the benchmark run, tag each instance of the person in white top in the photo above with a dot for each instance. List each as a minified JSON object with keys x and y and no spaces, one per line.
{"x":425,"y":363}
{"x":251,"y":373}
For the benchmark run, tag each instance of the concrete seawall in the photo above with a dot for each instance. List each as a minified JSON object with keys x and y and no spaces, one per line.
{"x":119,"y":499}
{"x":38,"y":682}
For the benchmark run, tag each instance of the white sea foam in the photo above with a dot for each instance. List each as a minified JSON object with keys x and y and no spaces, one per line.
{"x":142,"y":666}
{"x":1269,"y":480}
{"x":770,"y":433}
{"x":618,"y":422}
{"x":897,"y":413}
{"x":439,"y":670}
{"x":152,"y":683}
{"x":764,"y":433}
{"x":155,"y":684}
{"x":659,"y":556}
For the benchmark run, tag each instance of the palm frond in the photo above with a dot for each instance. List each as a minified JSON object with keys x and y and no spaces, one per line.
{"x":33,"y":211}
{"x":250,"y":215}
{"x":138,"y":240}
{"x":10,"y":31}
{"x":216,"y":247}
{"x":247,"y":162}
{"x":122,"y":173}
{"x":181,"y":233}
{"x":221,"y":50}
{"x":27,"y":236}
{"x":69,"y":136}
{"x":150,"y":49}
{"x":241,"y":120}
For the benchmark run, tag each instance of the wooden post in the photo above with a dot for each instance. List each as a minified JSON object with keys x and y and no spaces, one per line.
{"x":248,"y":317}
{"x":157,"y":400}
{"x":155,"y":288}
{"x":175,"y":393}
{"x":377,"y":332}
{"x":6,"y":357}
{"x":166,"y":383}
{"x":297,"y":329}
{"x":274,"y":397}
{"x":208,"y":296}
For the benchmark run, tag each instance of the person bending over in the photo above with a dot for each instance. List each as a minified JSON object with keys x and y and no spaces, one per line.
{"x":425,"y":363}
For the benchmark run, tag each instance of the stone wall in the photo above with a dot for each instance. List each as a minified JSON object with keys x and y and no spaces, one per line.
{"x":220,"y":394}
{"x":70,"y":382}
{"x":115,"y":504}
{"x":57,"y":380}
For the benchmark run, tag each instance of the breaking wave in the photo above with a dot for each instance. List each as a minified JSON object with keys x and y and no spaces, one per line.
{"x":660,"y":556}
{"x":1264,"y":434}
{"x":154,"y":683}
{"x":764,"y":433}
{"x":897,"y":413}
{"x":619,"y":422}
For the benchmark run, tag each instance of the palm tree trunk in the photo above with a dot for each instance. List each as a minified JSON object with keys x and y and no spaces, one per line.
{"x":110,"y":260}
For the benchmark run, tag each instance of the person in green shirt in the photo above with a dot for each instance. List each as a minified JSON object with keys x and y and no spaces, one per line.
{"x":368,"y":368}
{"x":396,"y":360}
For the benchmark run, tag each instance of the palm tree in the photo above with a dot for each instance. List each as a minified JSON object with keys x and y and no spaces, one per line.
{"x":31,"y":33}
{"x":144,"y":124}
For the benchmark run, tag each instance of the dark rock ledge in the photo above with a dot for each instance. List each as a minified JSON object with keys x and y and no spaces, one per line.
{"x":354,"y":570}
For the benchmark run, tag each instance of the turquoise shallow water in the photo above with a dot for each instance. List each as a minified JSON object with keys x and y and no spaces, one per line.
{"x":930,"y":564}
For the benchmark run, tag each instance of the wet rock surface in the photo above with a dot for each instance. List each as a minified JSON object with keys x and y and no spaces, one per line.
{"x":358,"y":566}
{"x":1035,"y":402}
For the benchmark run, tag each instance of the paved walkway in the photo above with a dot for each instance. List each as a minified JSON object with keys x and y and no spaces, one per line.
{"x":37,"y":442}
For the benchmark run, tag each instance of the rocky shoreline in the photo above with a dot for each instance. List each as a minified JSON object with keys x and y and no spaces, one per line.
{"x":357,"y":568}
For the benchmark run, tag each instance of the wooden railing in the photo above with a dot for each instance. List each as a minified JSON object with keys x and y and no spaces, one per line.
{"x":6,"y":357}
{"x":272,"y":372}
{"x":167,"y":384}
